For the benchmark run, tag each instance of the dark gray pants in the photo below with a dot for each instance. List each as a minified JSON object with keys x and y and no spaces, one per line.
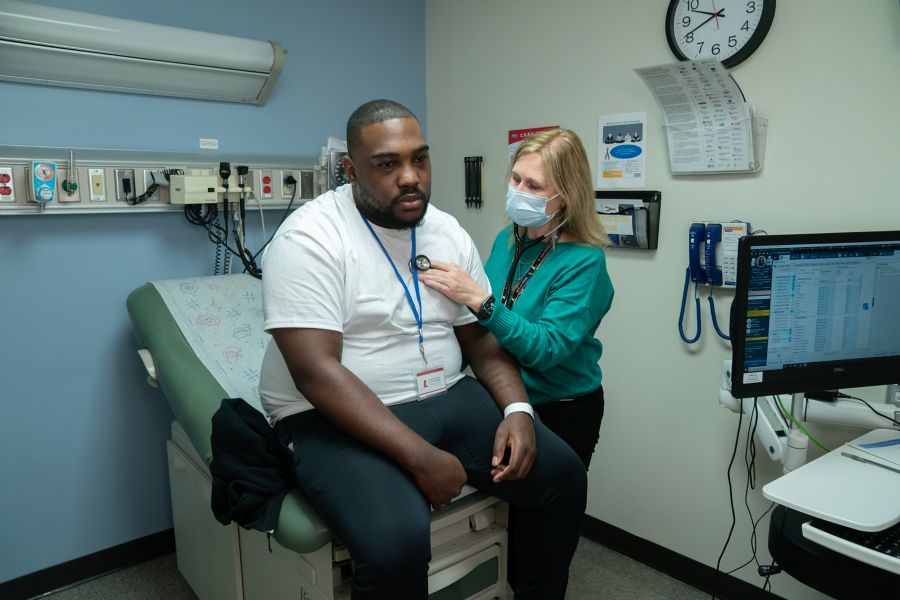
{"x":375,"y":508}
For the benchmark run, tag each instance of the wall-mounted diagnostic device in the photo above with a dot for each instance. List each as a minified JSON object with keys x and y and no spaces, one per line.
{"x":331,"y":163}
{"x":712,"y":261}
{"x":43,"y":181}
{"x":336,"y":175}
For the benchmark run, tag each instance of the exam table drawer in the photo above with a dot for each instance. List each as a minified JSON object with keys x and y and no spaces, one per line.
{"x":470,"y":567}
{"x":207,"y":553}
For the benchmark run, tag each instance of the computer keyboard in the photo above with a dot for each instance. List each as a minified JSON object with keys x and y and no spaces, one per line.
{"x":877,"y":548}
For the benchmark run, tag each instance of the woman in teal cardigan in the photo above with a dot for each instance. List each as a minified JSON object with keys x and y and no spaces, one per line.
{"x":550,"y":285}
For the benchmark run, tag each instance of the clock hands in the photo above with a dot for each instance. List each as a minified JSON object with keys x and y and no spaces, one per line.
{"x":715,"y":15}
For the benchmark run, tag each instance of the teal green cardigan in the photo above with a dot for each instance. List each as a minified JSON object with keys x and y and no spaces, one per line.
{"x":550,"y":329}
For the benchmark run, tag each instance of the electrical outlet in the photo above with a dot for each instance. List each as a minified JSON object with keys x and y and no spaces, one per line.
{"x":97,"y":180}
{"x":69,"y":190}
{"x":264,"y":191}
{"x":290,"y":190}
{"x":7,"y":186}
{"x":125,"y":188}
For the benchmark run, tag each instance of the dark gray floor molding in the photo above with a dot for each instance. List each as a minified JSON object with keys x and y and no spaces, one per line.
{"x":662,"y":559}
{"x":90,"y":566}
{"x":671,"y":563}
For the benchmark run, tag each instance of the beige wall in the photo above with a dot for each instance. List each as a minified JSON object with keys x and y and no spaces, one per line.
{"x":824,"y":72}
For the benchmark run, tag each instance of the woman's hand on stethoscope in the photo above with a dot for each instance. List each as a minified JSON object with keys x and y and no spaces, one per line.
{"x":455,"y":283}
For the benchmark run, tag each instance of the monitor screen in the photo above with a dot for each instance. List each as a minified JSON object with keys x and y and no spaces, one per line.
{"x":816,"y":312}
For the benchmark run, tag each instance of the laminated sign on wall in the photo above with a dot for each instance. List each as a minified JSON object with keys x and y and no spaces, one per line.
{"x":620,"y":150}
{"x":517,"y":136}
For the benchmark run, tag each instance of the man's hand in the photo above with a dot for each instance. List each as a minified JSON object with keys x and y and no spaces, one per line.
{"x":499,"y":374}
{"x":514,"y":436}
{"x":440,"y":476}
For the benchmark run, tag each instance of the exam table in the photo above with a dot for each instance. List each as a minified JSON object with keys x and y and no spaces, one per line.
{"x":201,"y":340}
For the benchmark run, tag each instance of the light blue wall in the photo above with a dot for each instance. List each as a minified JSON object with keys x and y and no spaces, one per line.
{"x":82,"y":451}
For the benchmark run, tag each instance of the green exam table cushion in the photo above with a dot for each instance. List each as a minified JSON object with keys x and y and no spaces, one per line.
{"x":194,"y":395}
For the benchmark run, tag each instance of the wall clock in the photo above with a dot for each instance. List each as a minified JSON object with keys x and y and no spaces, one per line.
{"x":726,"y":30}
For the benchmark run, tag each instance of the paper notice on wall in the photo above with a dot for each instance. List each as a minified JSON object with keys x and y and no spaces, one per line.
{"x":620,"y":151}
{"x":517,"y":136}
{"x":708,"y":125}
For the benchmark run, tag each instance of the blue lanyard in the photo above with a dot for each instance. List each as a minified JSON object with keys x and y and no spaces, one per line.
{"x":416,"y":313}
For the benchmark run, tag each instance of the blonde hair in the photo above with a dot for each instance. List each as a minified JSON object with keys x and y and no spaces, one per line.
{"x":568,"y":170}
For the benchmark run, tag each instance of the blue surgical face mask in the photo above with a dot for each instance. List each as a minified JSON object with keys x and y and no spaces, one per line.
{"x":527,"y":210}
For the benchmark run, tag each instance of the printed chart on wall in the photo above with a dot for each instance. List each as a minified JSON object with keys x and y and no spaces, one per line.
{"x":620,"y":151}
{"x":517,"y":136}
{"x":708,"y":125}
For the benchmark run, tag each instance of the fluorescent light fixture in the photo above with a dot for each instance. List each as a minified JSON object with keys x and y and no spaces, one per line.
{"x":55,"y":46}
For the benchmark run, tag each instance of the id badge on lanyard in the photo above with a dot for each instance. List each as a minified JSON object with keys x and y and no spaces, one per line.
{"x":430,"y":381}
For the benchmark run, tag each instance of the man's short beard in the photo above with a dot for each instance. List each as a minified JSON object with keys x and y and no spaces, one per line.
{"x":385,"y":217}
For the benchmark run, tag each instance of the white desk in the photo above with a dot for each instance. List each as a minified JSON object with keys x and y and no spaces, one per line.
{"x":841,"y":490}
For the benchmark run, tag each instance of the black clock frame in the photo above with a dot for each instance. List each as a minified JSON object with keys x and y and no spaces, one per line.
{"x":765,"y":22}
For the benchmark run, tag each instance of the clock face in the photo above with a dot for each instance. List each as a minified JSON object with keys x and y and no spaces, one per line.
{"x":726,"y":30}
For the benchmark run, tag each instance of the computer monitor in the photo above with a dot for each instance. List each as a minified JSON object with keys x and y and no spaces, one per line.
{"x":816,"y":311}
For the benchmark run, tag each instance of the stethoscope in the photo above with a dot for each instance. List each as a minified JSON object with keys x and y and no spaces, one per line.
{"x":510,"y":295}
{"x":423,"y":263}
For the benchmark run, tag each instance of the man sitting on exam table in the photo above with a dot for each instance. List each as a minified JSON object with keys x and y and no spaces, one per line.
{"x":363,"y":376}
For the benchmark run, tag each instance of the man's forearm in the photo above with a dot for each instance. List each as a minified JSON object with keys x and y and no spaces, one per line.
{"x":351,"y":405}
{"x":514,"y":442}
{"x":495,"y":368}
{"x":344,"y":399}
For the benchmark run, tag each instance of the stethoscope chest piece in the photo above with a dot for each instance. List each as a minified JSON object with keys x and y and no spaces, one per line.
{"x":420,"y":262}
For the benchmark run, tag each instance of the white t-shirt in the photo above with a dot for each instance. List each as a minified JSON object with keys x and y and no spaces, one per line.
{"x":325,"y":270}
